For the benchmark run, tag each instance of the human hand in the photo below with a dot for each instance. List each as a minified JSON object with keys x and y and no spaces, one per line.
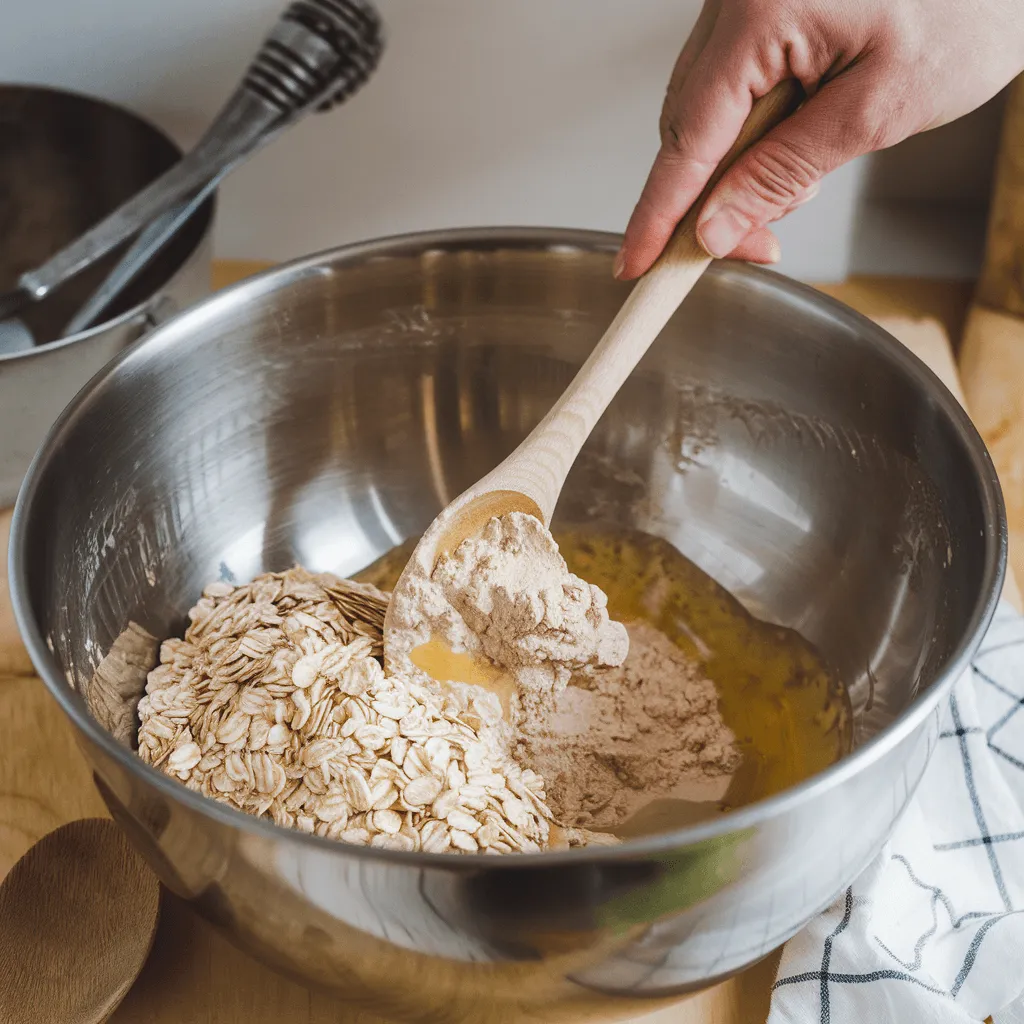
{"x":875,"y":71}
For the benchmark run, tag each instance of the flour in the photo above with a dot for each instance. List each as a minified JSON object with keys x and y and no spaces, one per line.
{"x":622,"y":738}
{"x":612,"y":719}
{"x":515,"y":592}
{"x":508,"y":596}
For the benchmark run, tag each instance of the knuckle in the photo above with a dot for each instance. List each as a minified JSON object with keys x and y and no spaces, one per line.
{"x":667,"y":129}
{"x":670,"y":128}
{"x":678,"y":161}
{"x":680,"y":139}
{"x":874,"y":123}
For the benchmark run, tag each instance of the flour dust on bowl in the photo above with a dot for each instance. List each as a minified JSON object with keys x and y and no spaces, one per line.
{"x":323,"y":413}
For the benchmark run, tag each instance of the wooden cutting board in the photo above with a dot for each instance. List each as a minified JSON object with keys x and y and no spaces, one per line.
{"x":992,"y":352}
{"x":194,"y":976}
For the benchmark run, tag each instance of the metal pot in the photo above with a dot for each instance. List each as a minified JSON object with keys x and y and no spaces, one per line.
{"x":65,"y":161}
{"x":328,"y":409}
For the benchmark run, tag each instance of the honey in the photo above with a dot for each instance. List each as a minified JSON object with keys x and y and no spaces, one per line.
{"x":791,"y":716}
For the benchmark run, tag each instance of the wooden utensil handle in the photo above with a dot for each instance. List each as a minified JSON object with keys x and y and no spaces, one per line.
{"x":539,"y":466}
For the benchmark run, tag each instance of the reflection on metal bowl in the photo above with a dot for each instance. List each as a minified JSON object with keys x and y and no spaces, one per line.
{"x":66,"y":161}
{"x":325,"y":411}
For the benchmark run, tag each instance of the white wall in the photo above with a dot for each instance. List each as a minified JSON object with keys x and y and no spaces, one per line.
{"x":483,"y":112}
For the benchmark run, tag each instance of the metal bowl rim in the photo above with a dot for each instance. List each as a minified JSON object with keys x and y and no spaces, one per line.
{"x":208,"y":210}
{"x":748,"y":818}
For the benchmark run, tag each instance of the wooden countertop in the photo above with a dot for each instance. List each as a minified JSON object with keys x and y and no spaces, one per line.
{"x":194,"y":976}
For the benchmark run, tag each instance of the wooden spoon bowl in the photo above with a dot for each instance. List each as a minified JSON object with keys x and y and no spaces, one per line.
{"x":77,"y":918}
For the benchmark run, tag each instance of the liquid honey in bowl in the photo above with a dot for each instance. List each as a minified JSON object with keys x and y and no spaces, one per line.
{"x":789,"y":713}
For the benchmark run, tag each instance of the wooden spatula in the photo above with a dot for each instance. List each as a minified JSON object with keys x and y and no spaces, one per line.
{"x":531,"y":478}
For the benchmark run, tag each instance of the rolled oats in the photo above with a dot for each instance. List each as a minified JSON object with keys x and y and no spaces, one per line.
{"x":275,"y":702}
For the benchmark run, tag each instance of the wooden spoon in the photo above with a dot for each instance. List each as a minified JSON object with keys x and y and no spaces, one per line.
{"x":77,"y":917}
{"x":531,"y":478}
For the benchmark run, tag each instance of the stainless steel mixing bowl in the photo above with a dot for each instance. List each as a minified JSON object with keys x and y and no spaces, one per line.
{"x":325,"y":411}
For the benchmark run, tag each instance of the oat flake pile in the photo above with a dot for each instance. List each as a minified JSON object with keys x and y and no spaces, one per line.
{"x":275,"y":702}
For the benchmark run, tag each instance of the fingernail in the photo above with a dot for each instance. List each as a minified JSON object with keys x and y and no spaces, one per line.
{"x":722,"y":231}
{"x":619,"y":265}
{"x":774,"y":254}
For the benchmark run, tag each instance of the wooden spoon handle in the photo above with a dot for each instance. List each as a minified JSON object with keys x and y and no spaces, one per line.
{"x":539,"y":466}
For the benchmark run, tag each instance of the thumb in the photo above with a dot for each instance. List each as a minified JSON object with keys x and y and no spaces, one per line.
{"x":786,"y":167}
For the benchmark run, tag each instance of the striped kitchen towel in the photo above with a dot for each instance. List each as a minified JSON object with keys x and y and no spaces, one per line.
{"x":933,"y":931}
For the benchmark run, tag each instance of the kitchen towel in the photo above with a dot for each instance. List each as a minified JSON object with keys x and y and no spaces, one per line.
{"x":933,"y":931}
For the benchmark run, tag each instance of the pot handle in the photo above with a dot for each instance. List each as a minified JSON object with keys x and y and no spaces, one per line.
{"x":158,"y":311}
